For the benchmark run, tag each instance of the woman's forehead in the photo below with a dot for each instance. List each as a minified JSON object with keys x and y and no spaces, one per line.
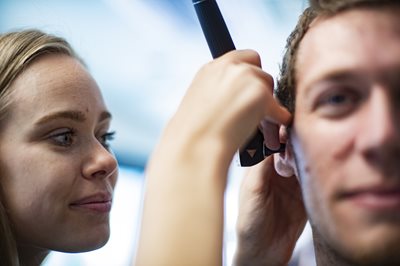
{"x":56,"y":82}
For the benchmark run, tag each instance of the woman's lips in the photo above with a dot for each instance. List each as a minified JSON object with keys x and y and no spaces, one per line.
{"x":100,"y":202}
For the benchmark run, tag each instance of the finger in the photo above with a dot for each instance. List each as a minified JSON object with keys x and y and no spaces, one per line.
{"x":243,"y":56}
{"x":271,"y":134}
{"x":277,"y":114}
{"x":283,"y":134}
{"x":274,"y":112}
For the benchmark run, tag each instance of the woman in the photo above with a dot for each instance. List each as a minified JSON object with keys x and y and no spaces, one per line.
{"x":57,"y":172}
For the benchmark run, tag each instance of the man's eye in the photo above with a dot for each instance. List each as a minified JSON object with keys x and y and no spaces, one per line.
{"x":64,"y":138}
{"x":337,"y":104}
{"x":106,"y":138}
{"x":337,"y":99}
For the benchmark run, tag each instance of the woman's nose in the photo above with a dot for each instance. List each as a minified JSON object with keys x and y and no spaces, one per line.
{"x":100,"y":162}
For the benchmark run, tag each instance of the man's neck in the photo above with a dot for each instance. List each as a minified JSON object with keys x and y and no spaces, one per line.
{"x":325,"y":255}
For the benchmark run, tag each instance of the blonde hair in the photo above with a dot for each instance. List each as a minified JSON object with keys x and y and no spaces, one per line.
{"x":17,"y":50}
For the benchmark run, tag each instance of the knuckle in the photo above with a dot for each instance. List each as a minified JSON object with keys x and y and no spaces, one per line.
{"x":242,"y":70}
{"x":260,"y":92}
{"x":255,"y":95}
{"x":205,"y":69}
{"x":255,"y":56}
{"x":230,"y":57}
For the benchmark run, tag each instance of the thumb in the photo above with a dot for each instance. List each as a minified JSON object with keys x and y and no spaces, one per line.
{"x":257,"y":176}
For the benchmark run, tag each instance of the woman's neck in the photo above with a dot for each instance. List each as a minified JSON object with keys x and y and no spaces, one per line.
{"x":31,"y":256}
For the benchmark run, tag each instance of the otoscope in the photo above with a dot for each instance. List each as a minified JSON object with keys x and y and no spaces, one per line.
{"x":220,"y":42}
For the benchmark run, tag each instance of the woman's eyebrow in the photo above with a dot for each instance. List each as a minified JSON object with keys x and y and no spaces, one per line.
{"x":72,"y":115}
{"x":105,"y":115}
{"x":77,"y":116}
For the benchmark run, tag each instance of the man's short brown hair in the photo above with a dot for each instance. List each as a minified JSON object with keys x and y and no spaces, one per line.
{"x":286,"y":89}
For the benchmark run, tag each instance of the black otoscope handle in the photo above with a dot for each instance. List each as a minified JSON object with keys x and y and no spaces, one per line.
{"x":220,"y":42}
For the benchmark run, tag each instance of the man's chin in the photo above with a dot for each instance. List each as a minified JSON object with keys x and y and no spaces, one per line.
{"x":369,"y":249}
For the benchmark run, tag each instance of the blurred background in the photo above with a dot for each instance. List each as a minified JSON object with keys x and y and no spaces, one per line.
{"x":144,"y":54}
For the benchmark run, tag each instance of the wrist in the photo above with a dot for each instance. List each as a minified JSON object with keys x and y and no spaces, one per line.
{"x":198,"y":148}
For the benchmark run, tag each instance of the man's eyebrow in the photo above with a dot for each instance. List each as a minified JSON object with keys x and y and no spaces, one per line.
{"x":342,"y":76}
{"x":337,"y":76}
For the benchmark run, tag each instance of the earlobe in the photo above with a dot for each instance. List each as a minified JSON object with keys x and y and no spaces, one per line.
{"x":284,"y":163}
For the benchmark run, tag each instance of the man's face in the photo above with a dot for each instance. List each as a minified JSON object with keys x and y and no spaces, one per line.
{"x":346,"y":134}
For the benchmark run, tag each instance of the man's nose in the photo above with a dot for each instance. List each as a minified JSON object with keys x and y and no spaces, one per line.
{"x":380,"y":131}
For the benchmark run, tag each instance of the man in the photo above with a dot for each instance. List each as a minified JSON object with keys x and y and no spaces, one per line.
{"x":342,"y":67}
{"x":340,"y":82}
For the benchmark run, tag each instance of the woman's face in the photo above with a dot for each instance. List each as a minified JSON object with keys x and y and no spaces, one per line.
{"x":57,"y":172}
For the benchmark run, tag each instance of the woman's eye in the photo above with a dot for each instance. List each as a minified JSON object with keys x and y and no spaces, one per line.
{"x":64,"y":138}
{"x":106,"y":138}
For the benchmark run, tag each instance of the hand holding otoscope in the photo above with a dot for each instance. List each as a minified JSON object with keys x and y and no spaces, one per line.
{"x":186,"y":177}
{"x":220,"y":42}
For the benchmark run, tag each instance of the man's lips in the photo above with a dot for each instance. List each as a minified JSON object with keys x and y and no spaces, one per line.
{"x":99,"y":202}
{"x":375,"y":198}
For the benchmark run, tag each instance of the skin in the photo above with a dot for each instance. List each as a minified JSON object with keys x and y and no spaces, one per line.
{"x":343,"y":147}
{"x":54,"y":153}
{"x":186,"y":176}
{"x":265,"y":195}
{"x":346,"y":136}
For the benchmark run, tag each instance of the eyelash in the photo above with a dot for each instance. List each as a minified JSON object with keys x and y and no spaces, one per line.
{"x":69,"y":134}
{"x":109,"y":136}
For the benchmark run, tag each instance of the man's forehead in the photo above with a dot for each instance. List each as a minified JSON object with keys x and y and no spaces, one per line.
{"x":340,"y":39}
{"x":351,"y":20}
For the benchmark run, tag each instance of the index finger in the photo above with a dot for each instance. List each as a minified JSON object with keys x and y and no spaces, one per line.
{"x":277,"y":114}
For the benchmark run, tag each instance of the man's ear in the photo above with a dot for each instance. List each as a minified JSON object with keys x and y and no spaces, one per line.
{"x":284,"y":162}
